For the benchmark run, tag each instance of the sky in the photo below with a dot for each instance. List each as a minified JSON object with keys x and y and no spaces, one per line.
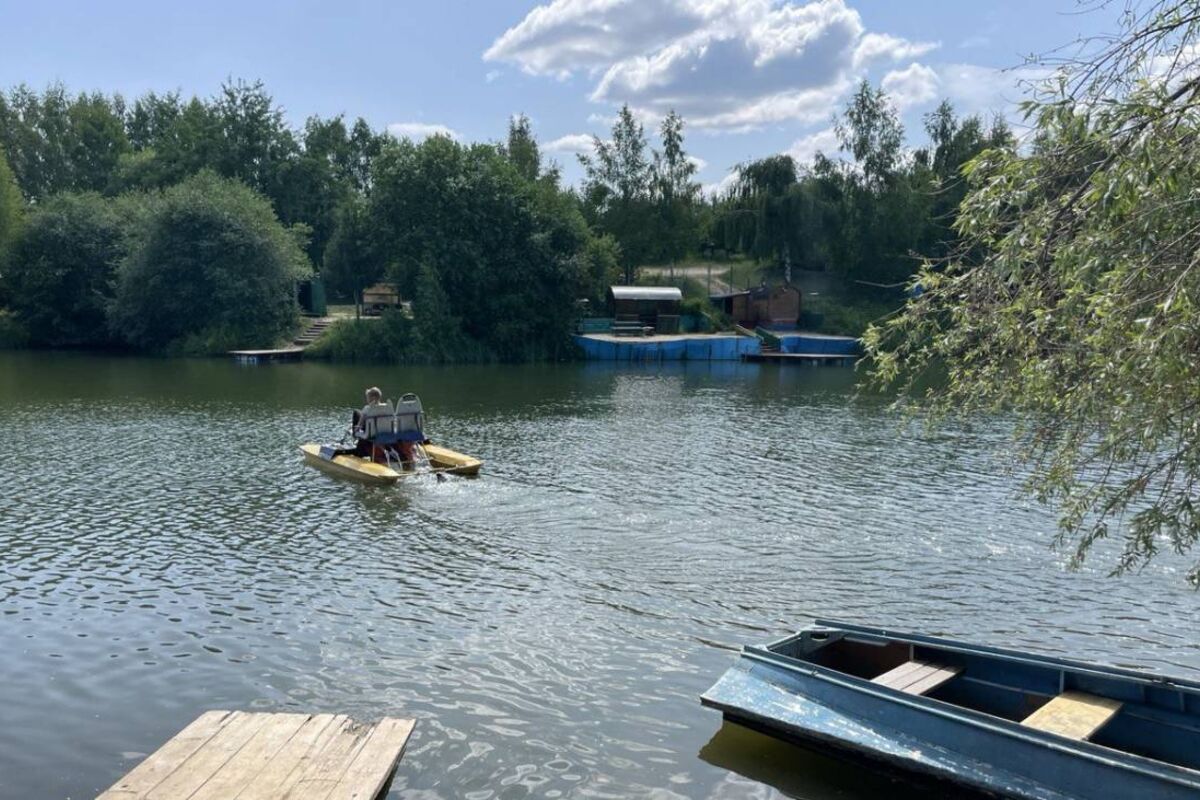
{"x":750,"y":77}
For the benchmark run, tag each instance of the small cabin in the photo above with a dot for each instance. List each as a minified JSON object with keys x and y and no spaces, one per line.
{"x":768,"y":306}
{"x":653,"y":307}
{"x":381,"y":296}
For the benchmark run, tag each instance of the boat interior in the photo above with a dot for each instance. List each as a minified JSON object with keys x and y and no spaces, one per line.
{"x":1146,"y":717}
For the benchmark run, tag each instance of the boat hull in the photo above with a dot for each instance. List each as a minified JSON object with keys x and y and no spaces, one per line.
{"x":351,"y":467}
{"x":441,"y":459}
{"x":803,"y":701}
{"x":444,"y":459}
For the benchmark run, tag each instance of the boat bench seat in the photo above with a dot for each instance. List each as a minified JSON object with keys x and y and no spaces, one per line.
{"x":917,"y":676}
{"x":1076,"y":715}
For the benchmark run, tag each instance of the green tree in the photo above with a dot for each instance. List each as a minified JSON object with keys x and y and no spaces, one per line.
{"x":521,"y":148}
{"x":870,"y":130}
{"x":617,"y":190}
{"x":763,"y":219}
{"x":12,"y":211}
{"x":12,"y":215}
{"x":62,"y":271}
{"x":351,"y":258}
{"x":255,"y":139}
{"x":676,"y":193}
{"x":1072,"y":299}
{"x":57,"y":143}
{"x":212,"y":269}
{"x":600,"y":269}
{"x":504,"y":250}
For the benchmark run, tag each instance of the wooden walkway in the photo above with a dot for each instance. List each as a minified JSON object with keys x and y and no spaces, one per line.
{"x":236,"y":755}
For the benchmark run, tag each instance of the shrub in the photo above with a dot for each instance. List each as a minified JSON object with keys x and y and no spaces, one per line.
{"x":387,"y":340}
{"x":507,"y":253}
{"x":212,"y":269}
{"x":13,"y":335}
{"x":62,"y":271}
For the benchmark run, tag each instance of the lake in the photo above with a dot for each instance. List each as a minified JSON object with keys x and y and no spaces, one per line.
{"x":551,"y":624}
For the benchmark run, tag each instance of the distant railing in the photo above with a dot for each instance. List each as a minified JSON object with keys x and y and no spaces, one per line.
{"x":594,"y":325}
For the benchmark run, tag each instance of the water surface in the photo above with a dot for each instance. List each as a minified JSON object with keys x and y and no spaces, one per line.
{"x":164,"y":551}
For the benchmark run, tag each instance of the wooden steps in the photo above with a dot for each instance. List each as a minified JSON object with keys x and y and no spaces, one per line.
{"x":313,"y":331}
{"x":237,"y":755}
{"x":1075,"y":715}
{"x":917,"y":677}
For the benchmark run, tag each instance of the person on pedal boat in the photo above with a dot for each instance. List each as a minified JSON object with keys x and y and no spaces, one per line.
{"x":375,"y":407}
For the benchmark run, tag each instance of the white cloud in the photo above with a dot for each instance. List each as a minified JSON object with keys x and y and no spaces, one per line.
{"x":721,"y":187}
{"x":912,"y":86}
{"x":492,"y":75}
{"x":568,"y":35}
{"x":698,"y":162}
{"x":722,"y":64}
{"x":804,"y":149}
{"x":571,"y":143}
{"x":874,"y":46}
{"x":421,"y":130}
{"x":724,"y":77}
{"x":982,"y":90}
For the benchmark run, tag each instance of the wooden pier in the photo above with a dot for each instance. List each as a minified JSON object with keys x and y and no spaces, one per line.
{"x":265,"y":356}
{"x":237,"y":755}
{"x":314,"y":329}
{"x":800,"y":358}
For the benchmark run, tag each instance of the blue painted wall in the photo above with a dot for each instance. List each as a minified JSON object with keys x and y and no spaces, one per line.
{"x":800,"y":343}
{"x":700,"y":348}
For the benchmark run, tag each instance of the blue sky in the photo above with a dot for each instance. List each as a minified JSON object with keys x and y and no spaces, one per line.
{"x":751,"y":77}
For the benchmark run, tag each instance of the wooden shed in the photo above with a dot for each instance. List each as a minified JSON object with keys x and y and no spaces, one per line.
{"x":379,"y":297}
{"x":769,"y":306}
{"x":775,"y":306}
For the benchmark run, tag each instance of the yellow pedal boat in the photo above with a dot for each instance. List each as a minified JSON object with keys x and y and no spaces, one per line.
{"x":343,"y":463}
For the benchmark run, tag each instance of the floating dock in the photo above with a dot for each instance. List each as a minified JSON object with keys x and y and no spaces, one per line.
{"x":818,"y":359}
{"x":249,"y":756}
{"x":715,"y":347}
{"x":266,"y":356}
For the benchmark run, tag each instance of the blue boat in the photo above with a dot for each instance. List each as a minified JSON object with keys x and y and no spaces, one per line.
{"x":1001,"y":722}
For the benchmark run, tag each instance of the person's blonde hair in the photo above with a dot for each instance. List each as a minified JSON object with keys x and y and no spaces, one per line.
{"x":374,"y":395}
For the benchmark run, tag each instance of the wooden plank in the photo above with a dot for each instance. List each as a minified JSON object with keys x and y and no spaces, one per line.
{"x":161,"y":763}
{"x":917,"y":676}
{"x":932,"y":680}
{"x":1076,"y":715}
{"x":890,"y":677}
{"x":227,"y":755}
{"x":276,"y":731}
{"x":276,"y":778}
{"x":375,"y":763}
{"x":191,"y":774}
{"x":338,"y":749}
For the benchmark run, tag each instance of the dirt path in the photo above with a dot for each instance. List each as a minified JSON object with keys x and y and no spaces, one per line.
{"x":699,"y":272}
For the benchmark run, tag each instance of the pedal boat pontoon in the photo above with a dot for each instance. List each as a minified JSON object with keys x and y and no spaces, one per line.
{"x":343,"y":463}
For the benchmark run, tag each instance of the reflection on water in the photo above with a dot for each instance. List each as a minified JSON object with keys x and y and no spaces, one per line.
{"x":551,"y":625}
{"x":762,"y":767}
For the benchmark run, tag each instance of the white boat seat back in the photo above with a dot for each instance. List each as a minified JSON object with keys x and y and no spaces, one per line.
{"x":378,"y":418}
{"x":410,"y":417}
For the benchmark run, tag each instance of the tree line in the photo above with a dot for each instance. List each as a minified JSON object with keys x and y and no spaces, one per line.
{"x":871,"y":218}
{"x":182,"y":224}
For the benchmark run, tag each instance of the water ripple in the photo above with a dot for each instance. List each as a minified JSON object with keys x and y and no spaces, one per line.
{"x":550,"y":624}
